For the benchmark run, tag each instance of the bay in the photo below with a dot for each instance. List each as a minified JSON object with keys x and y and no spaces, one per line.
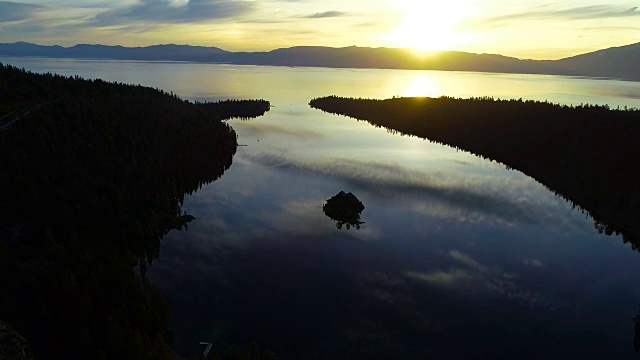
{"x":458,"y":256}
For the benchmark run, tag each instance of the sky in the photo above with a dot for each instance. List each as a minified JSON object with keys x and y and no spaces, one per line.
{"x":534,"y":29}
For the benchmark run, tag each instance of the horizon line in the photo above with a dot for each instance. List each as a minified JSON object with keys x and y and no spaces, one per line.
{"x":417,"y":52}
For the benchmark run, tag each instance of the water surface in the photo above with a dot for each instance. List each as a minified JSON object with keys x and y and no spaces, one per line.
{"x":458,"y":256}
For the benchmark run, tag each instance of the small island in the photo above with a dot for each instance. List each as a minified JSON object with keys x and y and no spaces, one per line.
{"x":344,"y":209}
{"x":588,"y":154}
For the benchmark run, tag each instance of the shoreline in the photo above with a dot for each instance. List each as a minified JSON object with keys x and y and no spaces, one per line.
{"x":561,"y":147}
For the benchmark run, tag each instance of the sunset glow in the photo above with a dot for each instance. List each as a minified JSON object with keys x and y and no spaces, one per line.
{"x":429,"y":25}
{"x":532,"y":30}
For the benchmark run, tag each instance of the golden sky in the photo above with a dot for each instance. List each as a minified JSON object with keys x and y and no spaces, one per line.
{"x":525,"y":29}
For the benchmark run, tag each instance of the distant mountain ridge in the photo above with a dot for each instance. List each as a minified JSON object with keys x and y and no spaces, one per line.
{"x":616,"y":62}
{"x":168,"y":52}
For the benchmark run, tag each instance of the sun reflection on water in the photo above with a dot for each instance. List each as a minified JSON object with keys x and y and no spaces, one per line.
{"x":421,"y":86}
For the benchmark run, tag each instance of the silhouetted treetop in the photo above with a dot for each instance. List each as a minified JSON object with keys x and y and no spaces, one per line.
{"x":243,"y":109}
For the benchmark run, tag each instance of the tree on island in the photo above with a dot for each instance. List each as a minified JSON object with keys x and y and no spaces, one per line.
{"x":344,"y":209}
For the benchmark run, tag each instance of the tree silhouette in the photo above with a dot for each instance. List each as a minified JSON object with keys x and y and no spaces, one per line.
{"x":92,"y":176}
{"x":344,"y":209}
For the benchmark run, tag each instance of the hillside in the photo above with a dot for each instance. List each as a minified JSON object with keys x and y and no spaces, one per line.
{"x":620,"y":62}
{"x":168,"y":52}
{"x":615,"y":62}
{"x":93,"y":174}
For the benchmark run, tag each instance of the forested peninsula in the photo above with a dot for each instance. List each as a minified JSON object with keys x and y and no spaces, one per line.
{"x":587,"y":154}
{"x":92,"y":175}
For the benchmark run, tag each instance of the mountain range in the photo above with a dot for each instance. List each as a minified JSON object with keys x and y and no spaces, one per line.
{"x":616,"y":62}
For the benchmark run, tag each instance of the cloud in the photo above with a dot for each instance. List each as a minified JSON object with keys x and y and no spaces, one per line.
{"x":388,"y":288}
{"x":326,"y":14}
{"x":262,"y":130}
{"x":171,"y":12}
{"x":443,"y":278}
{"x":83,"y":4}
{"x":471,"y":262}
{"x":28,"y":28}
{"x":12,"y":11}
{"x":576,"y":13}
{"x":611,"y":28}
{"x":310,"y":221}
{"x":491,"y":278}
{"x":367,"y":24}
{"x":532,"y":262}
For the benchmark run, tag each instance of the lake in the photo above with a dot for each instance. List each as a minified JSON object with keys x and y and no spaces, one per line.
{"x":457,"y":256}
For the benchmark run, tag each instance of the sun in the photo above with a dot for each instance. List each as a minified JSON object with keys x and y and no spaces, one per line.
{"x":430,"y":25}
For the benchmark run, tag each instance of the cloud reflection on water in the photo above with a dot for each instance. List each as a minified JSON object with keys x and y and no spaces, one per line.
{"x":491,"y":278}
{"x":465,"y":197}
{"x":306,"y":218}
{"x":261,"y":130}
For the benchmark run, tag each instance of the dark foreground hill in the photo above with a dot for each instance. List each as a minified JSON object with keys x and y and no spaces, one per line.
{"x":92,"y":175}
{"x":588,"y":154}
{"x":617,"y":62}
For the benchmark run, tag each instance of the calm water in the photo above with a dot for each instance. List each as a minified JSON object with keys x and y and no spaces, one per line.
{"x":457,"y":257}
